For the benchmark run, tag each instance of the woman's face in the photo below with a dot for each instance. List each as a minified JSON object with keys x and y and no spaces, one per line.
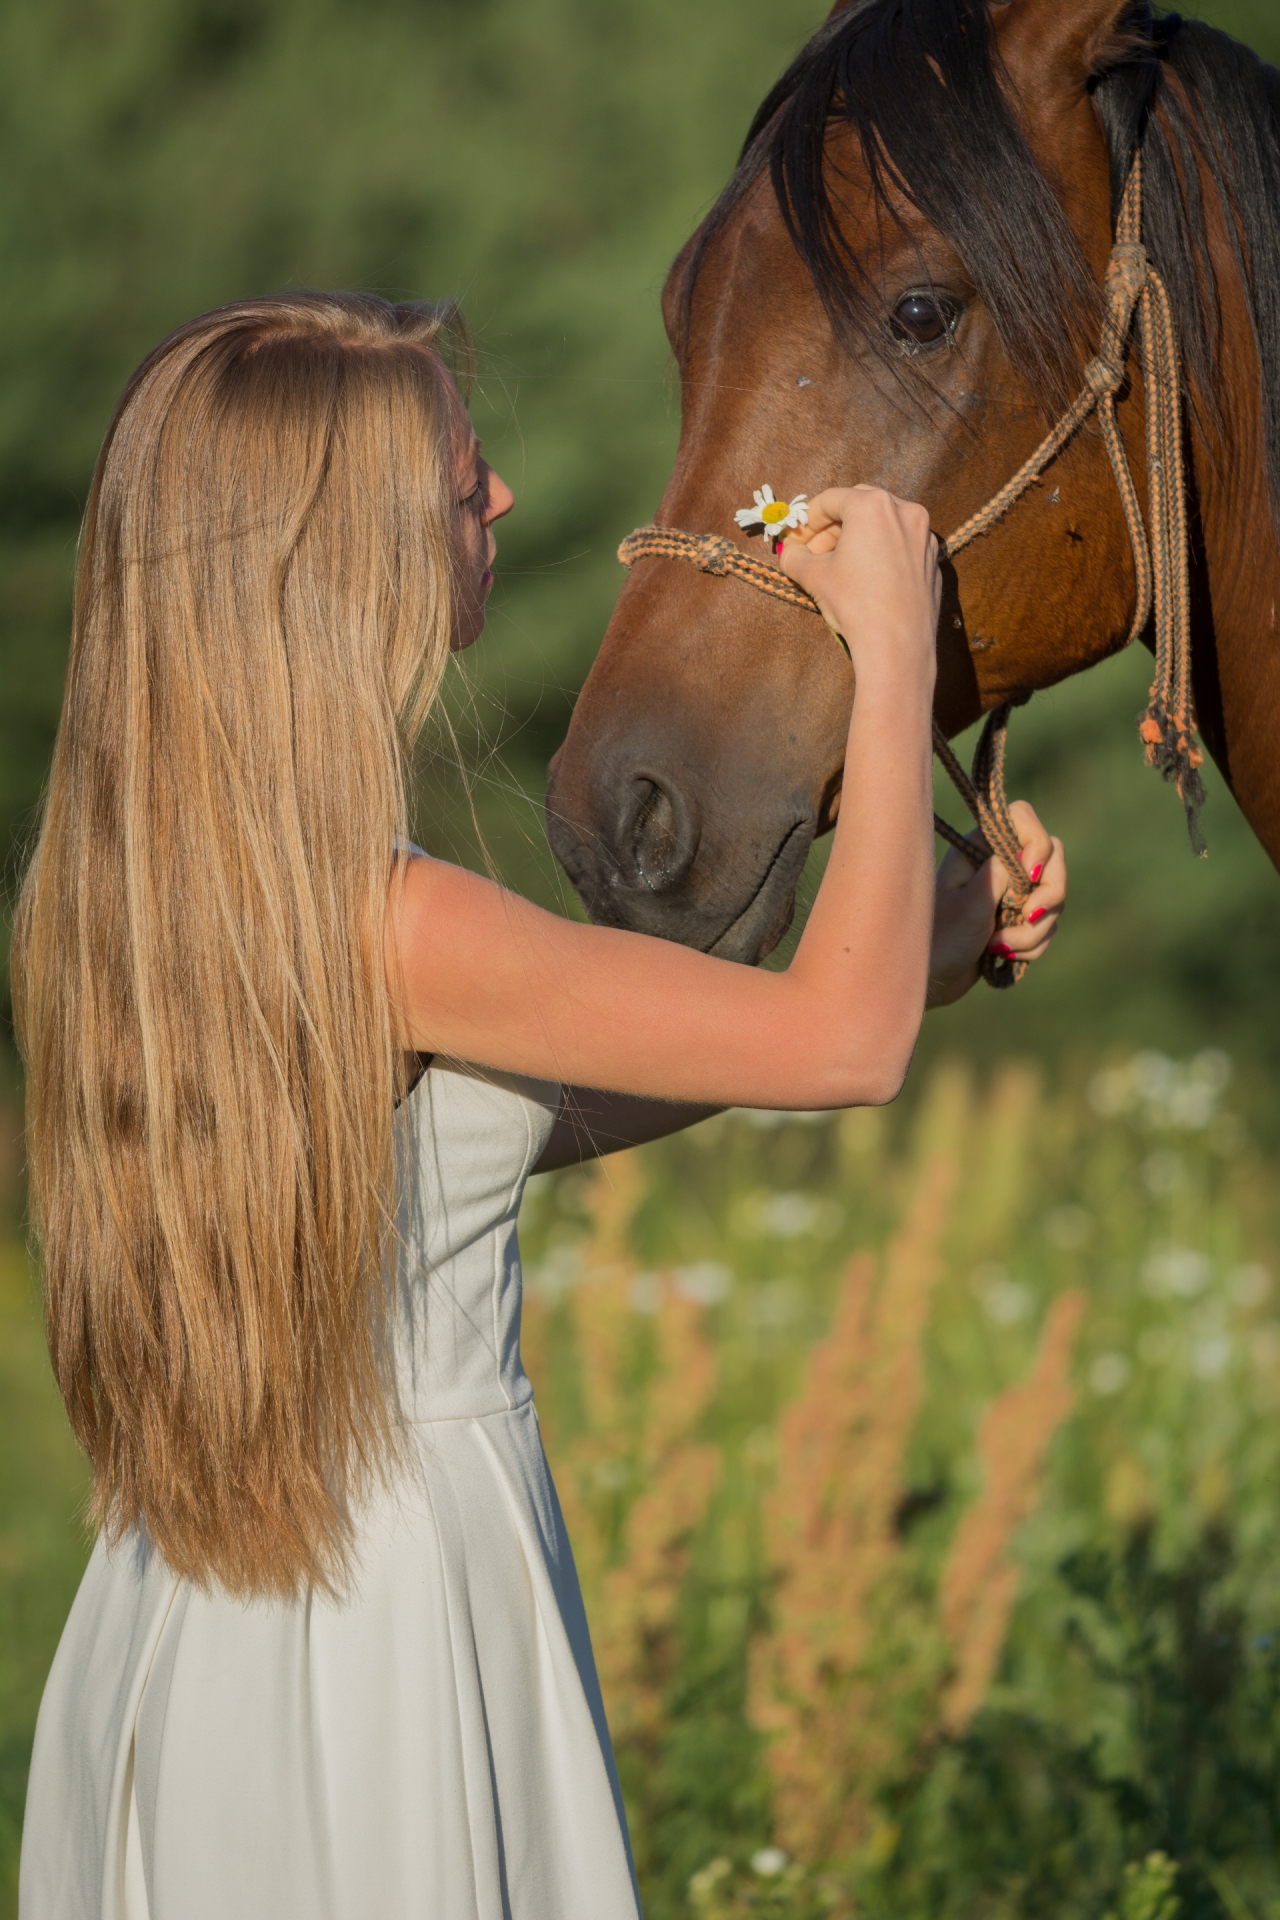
{"x":483,"y":497}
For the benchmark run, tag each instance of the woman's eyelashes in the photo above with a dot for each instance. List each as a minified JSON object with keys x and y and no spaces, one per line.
{"x":479,"y":494}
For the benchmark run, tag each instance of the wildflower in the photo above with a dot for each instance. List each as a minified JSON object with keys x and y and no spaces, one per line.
{"x":1110,"y":1373}
{"x":705,"y":1883}
{"x":776,"y":518}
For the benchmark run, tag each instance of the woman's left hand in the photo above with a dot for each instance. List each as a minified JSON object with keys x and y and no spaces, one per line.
{"x":964,"y":924}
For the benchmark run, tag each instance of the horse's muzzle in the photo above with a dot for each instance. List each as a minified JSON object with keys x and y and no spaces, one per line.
{"x":657,"y":849}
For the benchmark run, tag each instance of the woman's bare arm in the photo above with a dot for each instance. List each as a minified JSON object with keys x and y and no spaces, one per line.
{"x":480,"y":974}
{"x":592,"y":1123}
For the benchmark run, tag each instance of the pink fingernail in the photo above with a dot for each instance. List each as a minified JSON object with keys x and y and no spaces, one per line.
{"x":1005,"y":953}
{"x":1039,"y":914}
{"x":1036,"y":872}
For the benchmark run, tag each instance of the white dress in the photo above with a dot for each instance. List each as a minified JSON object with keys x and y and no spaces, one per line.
{"x":431,"y":1748}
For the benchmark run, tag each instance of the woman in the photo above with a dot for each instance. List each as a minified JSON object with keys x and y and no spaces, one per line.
{"x":329,"y":1657}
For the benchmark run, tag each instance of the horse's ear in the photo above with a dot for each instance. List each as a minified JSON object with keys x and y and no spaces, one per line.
{"x":1059,"y":46}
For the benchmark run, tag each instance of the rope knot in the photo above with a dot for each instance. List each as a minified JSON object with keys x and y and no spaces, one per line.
{"x":712,"y":553}
{"x":1104,"y":376}
{"x":1127,"y":272}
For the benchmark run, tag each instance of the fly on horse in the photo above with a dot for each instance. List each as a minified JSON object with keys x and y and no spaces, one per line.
{"x":903,"y":284}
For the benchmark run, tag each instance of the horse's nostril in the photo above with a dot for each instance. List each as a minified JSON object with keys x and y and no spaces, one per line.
{"x":662,"y":839}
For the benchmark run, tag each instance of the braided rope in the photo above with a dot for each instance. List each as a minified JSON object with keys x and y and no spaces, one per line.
{"x":711,"y":553}
{"x":1025,"y":478}
{"x":1167,"y":724}
{"x":1161,"y":564}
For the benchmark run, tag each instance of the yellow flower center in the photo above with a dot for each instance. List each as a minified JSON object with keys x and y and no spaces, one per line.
{"x":775,"y":511}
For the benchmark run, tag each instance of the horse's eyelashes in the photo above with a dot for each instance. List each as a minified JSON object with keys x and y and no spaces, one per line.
{"x":924,"y":319}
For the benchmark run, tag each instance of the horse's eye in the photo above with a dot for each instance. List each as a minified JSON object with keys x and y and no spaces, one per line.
{"x":920,"y":319}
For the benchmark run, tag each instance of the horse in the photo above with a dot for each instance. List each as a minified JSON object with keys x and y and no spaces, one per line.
{"x":902,"y":284}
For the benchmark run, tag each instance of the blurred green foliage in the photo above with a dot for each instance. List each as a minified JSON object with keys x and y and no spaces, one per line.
{"x":1148,"y":1890}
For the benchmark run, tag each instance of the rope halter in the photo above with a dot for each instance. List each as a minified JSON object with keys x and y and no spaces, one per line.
{"x":1135,"y":293}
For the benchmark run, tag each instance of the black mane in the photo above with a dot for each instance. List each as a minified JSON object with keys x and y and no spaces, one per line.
{"x":917,"y":80}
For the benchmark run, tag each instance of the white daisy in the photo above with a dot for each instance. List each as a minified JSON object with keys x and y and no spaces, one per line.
{"x":775,"y":518}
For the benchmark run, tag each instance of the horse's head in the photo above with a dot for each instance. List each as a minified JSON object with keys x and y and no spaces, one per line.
{"x":925,"y":303}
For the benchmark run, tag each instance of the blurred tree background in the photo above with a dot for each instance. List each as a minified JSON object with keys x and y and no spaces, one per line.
{"x":544,"y":160}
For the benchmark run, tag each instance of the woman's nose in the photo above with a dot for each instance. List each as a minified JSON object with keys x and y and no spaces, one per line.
{"x":501,"y":498}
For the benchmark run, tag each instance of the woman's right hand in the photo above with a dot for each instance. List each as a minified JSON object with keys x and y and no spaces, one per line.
{"x":870,"y":561}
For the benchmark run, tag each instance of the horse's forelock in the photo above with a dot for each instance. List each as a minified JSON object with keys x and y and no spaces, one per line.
{"x":918,"y":89}
{"x":919,"y":86}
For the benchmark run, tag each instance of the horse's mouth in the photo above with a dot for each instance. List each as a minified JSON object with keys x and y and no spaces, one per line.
{"x":767,"y":916}
{"x":615,"y":893}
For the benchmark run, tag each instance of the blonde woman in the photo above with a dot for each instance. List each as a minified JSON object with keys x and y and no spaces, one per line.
{"x":329,"y":1660}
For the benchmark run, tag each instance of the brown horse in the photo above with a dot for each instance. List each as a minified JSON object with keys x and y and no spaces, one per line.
{"x":901,"y":285}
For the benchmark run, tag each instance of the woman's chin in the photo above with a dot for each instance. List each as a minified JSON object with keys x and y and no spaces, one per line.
{"x":471,"y":621}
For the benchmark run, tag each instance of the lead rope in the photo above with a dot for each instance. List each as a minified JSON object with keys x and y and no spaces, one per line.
{"x":1161,"y":567}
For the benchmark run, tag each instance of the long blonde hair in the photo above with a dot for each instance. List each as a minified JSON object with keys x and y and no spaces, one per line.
{"x":263,"y":612}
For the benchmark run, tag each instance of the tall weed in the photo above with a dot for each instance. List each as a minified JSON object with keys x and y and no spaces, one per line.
{"x":921,"y":1476}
